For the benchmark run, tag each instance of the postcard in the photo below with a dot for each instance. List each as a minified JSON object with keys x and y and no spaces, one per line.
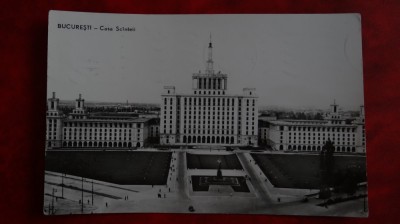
{"x":222,"y":113}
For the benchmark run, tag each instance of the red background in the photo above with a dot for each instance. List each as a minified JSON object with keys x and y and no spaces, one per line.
{"x":23,"y":47}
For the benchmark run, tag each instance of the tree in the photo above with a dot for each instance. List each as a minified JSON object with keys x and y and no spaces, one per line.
{"x":326,"y":169}
{"x":318,"y":116}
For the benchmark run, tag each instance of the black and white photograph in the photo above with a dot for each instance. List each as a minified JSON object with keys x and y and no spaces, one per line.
{"x":214,"y":113}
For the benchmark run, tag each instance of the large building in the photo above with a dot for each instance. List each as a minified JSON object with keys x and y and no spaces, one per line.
{"x":209,"y":115}
{"x":347,"y":134}
{"x":83,"y":130}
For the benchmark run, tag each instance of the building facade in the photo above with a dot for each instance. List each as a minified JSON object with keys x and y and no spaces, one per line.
{"x":209,"y":116}
{"x":82,"y":130}
{"x":348,"y":135}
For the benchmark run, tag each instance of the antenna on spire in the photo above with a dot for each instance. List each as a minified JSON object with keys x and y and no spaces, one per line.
{"x":210,"y":61}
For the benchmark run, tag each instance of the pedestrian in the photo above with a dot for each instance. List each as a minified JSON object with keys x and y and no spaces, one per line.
{"x":88,"y":201}
{"x":106,"y":205}
{"x":169,"y":189}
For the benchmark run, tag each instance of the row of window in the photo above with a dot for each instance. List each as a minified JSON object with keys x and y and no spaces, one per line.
{"x":100,"y":125}
{"x":100,"y":130}
{"x":118,"y":144}
{"x":318,"y":137}
{"x":317,"y":148}
{"x":319,"y":134}
{"x":320,"y":142}
{"x":208,"y":101}
{"x":97,"y":138}
{"x":100,"y":134}
{"x":52,"y":113}
{"x":208,"y":131}
{"x":211,"y":83}
{"x":208,"y":139}
{"x":209,"y":92}
{"x":329,"y":129}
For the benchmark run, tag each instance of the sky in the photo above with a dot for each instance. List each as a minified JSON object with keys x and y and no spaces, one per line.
{"x":294,"y":61}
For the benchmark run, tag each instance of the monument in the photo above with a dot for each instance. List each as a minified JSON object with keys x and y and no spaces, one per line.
{"x":219,"y":172}
{"x":219,"y":179}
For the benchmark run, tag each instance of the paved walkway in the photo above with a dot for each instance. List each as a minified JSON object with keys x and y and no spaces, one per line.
{"x":181,"y":175}
{"x":255,"y":180}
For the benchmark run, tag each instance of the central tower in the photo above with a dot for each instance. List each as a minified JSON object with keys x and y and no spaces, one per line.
{"x":208,"y":115}
{"x":209,"y":82}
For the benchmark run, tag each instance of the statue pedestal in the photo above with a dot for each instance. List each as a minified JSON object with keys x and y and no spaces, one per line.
{"x":223,"y":190}
{"x":207,"y":181}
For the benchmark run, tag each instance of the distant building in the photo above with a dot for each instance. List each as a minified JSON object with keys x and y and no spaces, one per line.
{"x":99,"y":130}
{"x":209,"y":116}
{"x":154,"y":131}
{"x":310,"y":135}
{"x":54,"y":119}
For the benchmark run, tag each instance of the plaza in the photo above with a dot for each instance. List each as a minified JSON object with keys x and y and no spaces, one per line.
{"x":178,"y":188}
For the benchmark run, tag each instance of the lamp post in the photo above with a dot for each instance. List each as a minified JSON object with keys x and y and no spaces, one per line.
{"x":62,"y":185}
{"x":92,"y":192}
{"x":365,"y":198}
{"x":52,"y":201}
{"x":82,"y":198}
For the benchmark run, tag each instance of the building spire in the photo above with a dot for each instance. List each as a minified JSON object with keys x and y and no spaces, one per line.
{"x":334,"y":107}
{"x":210,"y":62}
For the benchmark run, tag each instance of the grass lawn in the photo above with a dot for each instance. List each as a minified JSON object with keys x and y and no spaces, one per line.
{"x":303,"y":171}
{"x":196,"y":161}
{"x":119,"y":167}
